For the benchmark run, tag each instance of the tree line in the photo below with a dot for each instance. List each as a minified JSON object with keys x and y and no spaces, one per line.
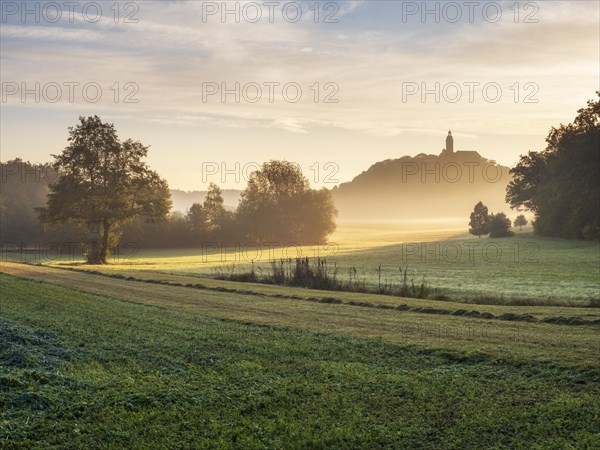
{"x":559,"y":185}
{"x":99,"y":191}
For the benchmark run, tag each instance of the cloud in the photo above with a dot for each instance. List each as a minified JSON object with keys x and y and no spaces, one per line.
{"x":171,"y":52}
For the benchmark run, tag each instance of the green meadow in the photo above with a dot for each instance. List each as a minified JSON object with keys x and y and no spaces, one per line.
{"x":151,"y":351}
{"x":94,"y":361}
{"x":524,"y":269}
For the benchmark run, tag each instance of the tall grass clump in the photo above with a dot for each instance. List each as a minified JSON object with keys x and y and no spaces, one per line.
{"x":316,"y":273}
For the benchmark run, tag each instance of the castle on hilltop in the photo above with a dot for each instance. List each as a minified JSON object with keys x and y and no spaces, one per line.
{"x":460,"y":154}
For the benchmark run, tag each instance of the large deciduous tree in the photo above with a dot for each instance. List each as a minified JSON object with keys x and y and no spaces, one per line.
{"x":279,"y":206}
{"x":560,"y":184}
{"x":104,"y":183}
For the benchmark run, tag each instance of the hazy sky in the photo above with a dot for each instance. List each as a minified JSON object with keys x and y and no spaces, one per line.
{"x":373,"y":57}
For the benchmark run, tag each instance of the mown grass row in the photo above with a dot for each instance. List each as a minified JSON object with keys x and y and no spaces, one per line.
{"x":261,"y":304}
{"x":506,"y":316}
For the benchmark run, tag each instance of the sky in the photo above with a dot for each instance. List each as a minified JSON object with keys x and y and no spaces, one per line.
{"x":217,"y":88}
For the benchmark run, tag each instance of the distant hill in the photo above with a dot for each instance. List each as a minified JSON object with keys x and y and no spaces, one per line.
{"x":182,"y":200}
{"x":424,"y":187}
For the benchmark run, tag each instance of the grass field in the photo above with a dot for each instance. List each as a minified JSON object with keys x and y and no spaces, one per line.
{"x":524,"y":269}
{"x":151,"y":352}
{"x":92,"y":361}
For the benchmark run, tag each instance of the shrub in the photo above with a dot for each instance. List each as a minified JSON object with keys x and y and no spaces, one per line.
{"x":499,"y":226}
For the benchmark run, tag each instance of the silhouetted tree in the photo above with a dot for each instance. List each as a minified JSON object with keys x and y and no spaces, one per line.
{"x":104,"y":182}
{"x":520,"y":221}
{"x":196,"y":218}
{"x":208,"y":220}
{"x":560,"y":184}
{"x":318,"y":213}
{"x":279,"y":206}
{"x":499,"y":226}
{"x":175,"y":232}
{"x":478,"y":224}
{"x":24,"y":186}
{"x":213,"y":209}
{"x":24,"y":189}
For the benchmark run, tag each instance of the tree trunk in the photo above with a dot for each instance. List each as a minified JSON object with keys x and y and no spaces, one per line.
{"x":93,"y":253}
{"x":104,"y":246}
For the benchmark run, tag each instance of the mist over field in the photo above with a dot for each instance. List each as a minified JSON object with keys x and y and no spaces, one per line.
{"x":357,"y":224}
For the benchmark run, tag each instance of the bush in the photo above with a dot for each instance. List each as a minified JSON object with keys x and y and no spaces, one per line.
{"x":499,"y":226}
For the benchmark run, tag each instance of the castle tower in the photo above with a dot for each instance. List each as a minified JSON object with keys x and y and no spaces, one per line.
{"x":449,"y":143}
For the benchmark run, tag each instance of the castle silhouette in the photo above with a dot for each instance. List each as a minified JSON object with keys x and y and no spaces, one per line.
{"x":460,"y":154}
